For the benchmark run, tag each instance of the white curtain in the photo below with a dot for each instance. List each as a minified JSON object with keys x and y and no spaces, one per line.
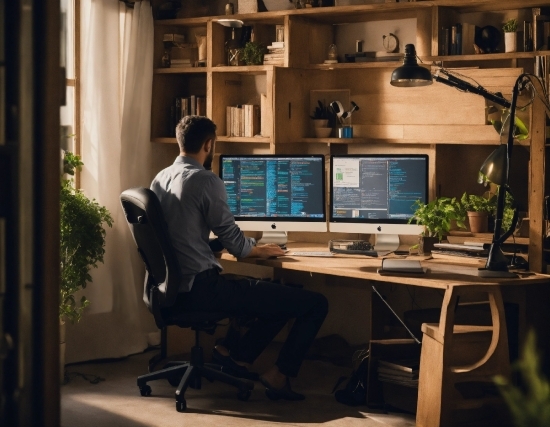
{"x":116,"y":85}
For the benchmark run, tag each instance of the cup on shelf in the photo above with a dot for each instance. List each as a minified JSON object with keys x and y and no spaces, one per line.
{"x":345,"y":132}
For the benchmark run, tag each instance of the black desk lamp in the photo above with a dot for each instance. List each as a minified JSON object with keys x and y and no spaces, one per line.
{"x":496,"y":167}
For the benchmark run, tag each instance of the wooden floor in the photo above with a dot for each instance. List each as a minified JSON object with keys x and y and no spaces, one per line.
{"x":115,"y":401}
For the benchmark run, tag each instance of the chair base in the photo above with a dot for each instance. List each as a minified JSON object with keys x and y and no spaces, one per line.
{"x":190,"y":374}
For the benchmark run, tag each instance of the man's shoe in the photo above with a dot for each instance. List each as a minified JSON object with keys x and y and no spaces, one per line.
{"x":281,"y":393}
{"x":231,"y":368}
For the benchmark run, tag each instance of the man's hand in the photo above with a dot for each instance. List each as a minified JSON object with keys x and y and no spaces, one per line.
{"x":266,"y":251}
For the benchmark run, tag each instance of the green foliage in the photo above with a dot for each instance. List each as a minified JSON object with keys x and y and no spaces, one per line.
{"x":82,"y":240}
{"x":520,"y":130}
{"x":253,"y":53}
{"x":510,"y":26}
{"x":436,"y":216}
{"x":321,"y":112}
{"x":529,"y":404}
{"x":475,"y":203}
{"x":508,"y":213}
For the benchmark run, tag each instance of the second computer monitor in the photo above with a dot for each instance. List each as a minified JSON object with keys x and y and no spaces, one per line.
{"x":275,"y":193}
{"x":374,"y":194}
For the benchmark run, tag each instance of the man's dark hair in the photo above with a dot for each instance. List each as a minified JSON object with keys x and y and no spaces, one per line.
{"x":193,"y":131}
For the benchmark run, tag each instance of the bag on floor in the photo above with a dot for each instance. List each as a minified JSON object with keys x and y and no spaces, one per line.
{"x":355,"y":391}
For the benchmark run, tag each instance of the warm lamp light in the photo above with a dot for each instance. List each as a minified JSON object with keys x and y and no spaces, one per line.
{"x":496,"y":167}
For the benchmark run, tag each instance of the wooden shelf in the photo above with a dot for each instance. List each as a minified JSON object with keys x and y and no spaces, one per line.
{"x":242,"y":139}
{"x":488,"y":56}
{"x":248,"y":69}
{"x":180,"y":70}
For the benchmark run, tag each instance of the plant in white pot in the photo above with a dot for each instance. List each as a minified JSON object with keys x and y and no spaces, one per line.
{"x":510,"y":29}
{"x":82,"y":242}
{"x":436,"y":217}
{"x":478,"y":209}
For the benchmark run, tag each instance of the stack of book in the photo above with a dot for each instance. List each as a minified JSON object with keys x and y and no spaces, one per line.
{"x":243,"y":120}
{"x":458,"y":39}
{"x":403,"y":372}
{"x":275,"y":54}
{"x":177,"y":63}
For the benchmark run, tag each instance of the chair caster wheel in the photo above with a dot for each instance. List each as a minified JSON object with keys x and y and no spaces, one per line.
{"x":181,"y":406}
{"x":145,"y":390}
{"x":244,"y":395}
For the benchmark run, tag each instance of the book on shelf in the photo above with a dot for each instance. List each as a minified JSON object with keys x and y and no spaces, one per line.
{"x":274,"y":55}
{"x":403,"y":365}
{"x":265,"y":130}
{"x":243,"y":120}
{"x":276,"y":45}
{"x":391,"y":372}
{"x":272,"y":49}
{"x":172,"y":37}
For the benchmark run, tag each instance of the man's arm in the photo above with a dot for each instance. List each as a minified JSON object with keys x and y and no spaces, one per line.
{"x":266,"y":251}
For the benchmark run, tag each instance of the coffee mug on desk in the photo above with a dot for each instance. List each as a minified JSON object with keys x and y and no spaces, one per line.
{"x":345,"y":132}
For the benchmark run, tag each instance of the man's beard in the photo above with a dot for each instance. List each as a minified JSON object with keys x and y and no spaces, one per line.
{"x":208,"y":161}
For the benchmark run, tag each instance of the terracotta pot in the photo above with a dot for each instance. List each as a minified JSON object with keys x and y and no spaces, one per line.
{"x":426,"y":244}
{"x":479,"y":222}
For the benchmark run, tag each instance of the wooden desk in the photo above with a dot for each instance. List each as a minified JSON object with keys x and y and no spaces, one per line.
{"x":530,"y":291}
{"x":440,"y":275}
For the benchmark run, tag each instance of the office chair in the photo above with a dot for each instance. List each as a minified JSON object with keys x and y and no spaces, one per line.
{"x":149,"y":229}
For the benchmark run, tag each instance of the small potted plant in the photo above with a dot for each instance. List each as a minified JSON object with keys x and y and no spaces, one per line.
{"x":478,"y":208}
{"x":321,"y":116}
{"x":510,"y":28}
{"x":82,"y":242}
{"x":436,"y":217}
{"x":253,"y":53}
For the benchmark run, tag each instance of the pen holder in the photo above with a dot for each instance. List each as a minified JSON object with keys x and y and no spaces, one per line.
{"x":345,"y":131}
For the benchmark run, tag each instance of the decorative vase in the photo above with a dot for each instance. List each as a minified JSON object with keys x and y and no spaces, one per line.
{"x":320,"y":123}
{"x":510,"y":42}
{"x":479,"y":221}
{"x":426,"y":244}
{"x":62,"y":345}
{"x":322,"y":132}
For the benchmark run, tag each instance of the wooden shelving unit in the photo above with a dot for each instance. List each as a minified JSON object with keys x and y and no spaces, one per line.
{"x":452,"y":127}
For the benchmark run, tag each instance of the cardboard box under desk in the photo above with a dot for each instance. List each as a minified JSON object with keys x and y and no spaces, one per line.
{"x":379,"y":394}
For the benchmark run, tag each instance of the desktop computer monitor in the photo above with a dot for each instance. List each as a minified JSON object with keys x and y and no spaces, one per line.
{"x":374,"y":194}
{"x":275,"y":194}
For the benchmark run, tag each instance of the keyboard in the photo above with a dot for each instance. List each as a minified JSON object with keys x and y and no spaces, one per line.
{"x":311,"y":253}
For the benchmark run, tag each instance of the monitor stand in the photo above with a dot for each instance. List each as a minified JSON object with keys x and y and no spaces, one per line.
{"x":278,"y":237}
{"x":386,"y":242}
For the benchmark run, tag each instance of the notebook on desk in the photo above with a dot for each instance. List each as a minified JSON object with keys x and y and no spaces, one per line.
{"x":401,"y":267}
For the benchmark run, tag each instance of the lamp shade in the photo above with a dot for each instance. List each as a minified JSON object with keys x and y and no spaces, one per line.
{"x":232,"y":23}
{"x":495,"y":166}
{"x":410,"y":73}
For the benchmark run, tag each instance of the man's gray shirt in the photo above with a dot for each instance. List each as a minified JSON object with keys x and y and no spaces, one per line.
{"x":194,"y":202}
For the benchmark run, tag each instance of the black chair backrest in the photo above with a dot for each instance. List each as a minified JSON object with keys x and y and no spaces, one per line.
{"x":150,"y":231}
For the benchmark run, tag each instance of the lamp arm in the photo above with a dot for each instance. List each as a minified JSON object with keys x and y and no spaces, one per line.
{"x":463,"y":85}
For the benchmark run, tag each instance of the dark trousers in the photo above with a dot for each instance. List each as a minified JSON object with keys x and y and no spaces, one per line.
{"x":271,"y":305}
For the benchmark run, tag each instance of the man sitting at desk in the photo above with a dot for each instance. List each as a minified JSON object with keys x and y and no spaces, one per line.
{"x":194,"y":202}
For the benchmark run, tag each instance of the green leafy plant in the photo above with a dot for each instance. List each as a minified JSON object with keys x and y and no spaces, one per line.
{"x":253,"y":53}
{"x":510,"y":26}
{"x":82,"y":240}
{"x":508,"y":213}
{"x":529,"y":403}
{"x":437,"y":215}
{"x":321,"y":111}
{"x":475,"y":203}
